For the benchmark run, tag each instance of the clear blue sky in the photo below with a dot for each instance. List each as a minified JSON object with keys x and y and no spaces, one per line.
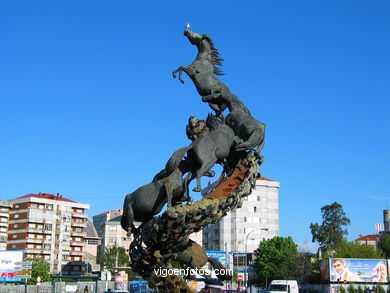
{"x":89,"y":107}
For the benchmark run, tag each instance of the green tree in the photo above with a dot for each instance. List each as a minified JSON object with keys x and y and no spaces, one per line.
{"x":115,"y":256}
{"x":331,"y":232}
{"x":347,"y":249}
{"x":40,"y":268}
{"x":384,"y":244}
{"x":275,"y":259}
{"x":307,"y":268}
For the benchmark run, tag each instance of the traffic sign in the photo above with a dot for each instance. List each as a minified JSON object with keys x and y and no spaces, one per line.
{"x":23,"y":272}
{"x":22,"y":268}
{"x":20,"y":263}
{"x":240,"y":278}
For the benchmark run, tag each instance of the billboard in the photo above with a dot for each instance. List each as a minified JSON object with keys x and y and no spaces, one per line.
{"x":8,"y":258}
{"x":354,"y":270}
{"x":218,"y":255}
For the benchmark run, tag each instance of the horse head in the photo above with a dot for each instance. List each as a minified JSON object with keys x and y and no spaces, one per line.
{"x":194,"y":38}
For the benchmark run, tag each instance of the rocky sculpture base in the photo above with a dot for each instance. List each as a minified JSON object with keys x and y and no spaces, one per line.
{"x":164,"y":237}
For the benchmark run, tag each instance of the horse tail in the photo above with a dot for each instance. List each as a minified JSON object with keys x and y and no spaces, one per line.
{"x":175,"y":159}
{"x":222,"y":271}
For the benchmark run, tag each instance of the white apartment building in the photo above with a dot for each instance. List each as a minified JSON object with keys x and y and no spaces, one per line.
{"x":5,"y":207}
{"x":48,"y":226}
{"x":257,"y":219}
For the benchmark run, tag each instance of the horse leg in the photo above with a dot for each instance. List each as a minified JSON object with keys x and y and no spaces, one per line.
{"x":205,"y":168}
{"x":168,"y":191}
{"x":186,"y":183}
{"x":186,"y":69}
{"x":127,"y":220}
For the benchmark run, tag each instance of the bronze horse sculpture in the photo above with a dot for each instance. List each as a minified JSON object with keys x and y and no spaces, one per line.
{"x":205,"y":151}
{"x":148,"y":200}
{"x":203,"y":70}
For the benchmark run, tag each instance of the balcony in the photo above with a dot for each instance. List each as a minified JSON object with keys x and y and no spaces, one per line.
{"x":79,"y":215}
{"x":82,"y":234}
{"x":77,"y":253}
{"x":77,"y":243}
{"x":77,"y":224}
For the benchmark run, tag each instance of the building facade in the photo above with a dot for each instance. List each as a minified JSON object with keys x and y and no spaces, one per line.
{"x":99,"y":220}
{"x":243,"y":229}
{"x":114,"y":235}
{"x":48,"y":226}
{"x":92,"y":243}
{"x":5,"y":207}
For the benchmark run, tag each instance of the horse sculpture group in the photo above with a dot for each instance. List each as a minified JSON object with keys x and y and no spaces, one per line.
{"x":218,"y":139}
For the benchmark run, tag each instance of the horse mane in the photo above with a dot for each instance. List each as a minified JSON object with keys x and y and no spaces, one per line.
{"x":213,"y":122}
{"x":216,"y":59}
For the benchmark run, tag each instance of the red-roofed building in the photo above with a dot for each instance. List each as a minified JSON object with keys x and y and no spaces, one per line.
{"x":48,"y":226}
{"x":369,"y":239}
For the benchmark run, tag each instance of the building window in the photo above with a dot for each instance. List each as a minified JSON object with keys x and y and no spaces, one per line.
{"x":112,"y":228}
{"x":258,"y":198}
{"x":16,"y":216}
{"x":93,"y":242}
{"x":16,"y":206}
{"x":13,"y":246}
{"x":47,"y":246}
{"x":244,"y":219}
{"x":49,"y":207}
{"x":14,"y":236}
{"x":111,"y":240}
{"x":48,"y":227}
{"x":47,"y":257}
{"x":30,"y":245}
{"x":254,"y":209}
{"x":15,"y":225}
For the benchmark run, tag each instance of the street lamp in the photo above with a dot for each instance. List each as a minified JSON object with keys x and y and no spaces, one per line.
{"x":246,"y":254}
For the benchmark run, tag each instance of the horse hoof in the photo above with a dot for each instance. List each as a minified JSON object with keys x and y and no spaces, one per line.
{"x":196,"y":189}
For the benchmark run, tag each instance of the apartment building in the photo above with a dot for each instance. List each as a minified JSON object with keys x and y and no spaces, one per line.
{"x":99,"y":220}
{"x":48,"y":226}
{"x":243,"y":229}
{"x":113,"y":234}
{"x":92,"y":243}
{"x":5,"y":207}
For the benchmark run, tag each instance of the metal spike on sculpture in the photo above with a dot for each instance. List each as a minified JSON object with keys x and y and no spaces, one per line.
{"x":235,"y":141}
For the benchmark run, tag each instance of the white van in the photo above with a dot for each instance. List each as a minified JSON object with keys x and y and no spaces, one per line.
{"x":283,"y":286}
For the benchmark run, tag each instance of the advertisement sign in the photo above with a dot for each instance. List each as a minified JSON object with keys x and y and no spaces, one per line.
{"x":356,"y":270}
{"x":218,"y":255}
{"x":8,"y":258}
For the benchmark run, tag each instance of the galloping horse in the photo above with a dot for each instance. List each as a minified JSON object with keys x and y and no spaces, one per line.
{"x":204,"y":152}
{"x":203,"y":70}
{"x":148,"y":200}
{"x":247,"y":128}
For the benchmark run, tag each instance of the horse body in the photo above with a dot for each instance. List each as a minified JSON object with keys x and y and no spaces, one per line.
{"x":247,"y":128}
{"x":207,"y":150}
{"x":202,"y":71}
{"x":148,"y":200}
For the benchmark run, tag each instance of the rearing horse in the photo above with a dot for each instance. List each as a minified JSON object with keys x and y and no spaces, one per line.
{"x":204,"y":69}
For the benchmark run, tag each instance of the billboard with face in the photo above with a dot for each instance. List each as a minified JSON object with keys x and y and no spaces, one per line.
{"x":354,"y":270}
